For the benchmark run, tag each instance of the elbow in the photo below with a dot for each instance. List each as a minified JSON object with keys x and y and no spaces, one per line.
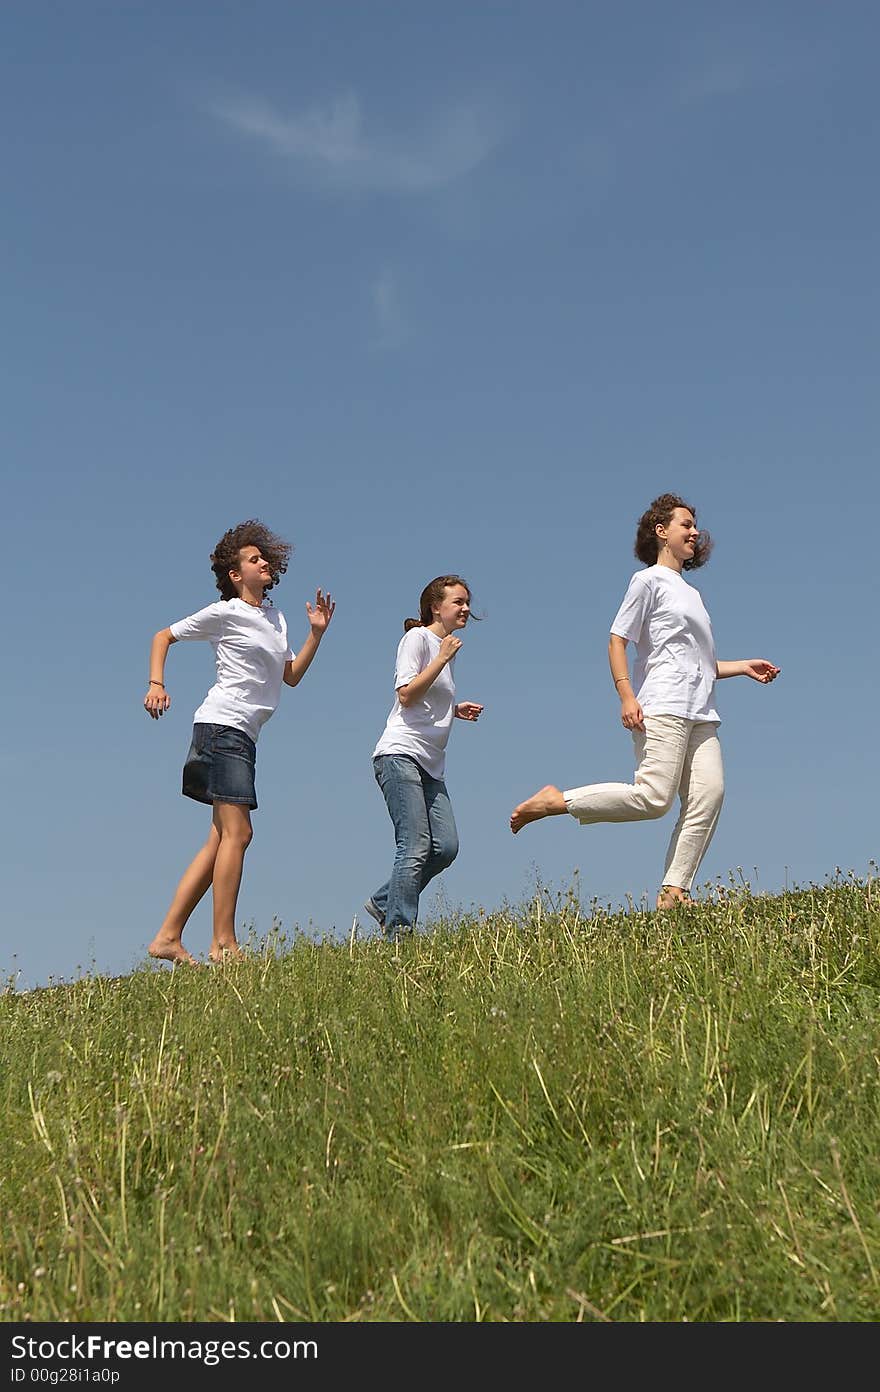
{"x":403,"y":696}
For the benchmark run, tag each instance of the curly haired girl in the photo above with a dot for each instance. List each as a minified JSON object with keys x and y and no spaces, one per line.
{"x":253,"y":657}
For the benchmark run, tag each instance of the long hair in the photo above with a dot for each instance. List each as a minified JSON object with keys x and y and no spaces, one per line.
{"x":225,"y":556}
{"x":660,"y":514}
{"x":432,"y":594}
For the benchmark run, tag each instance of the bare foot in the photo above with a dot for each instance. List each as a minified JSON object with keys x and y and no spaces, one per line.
{"x":171,"y":950}
{"x":225,"y":952}
{"x":547,"y":802}
{"x":670,"y":895}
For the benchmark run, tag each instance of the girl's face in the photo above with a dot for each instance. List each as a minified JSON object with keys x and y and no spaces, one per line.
{"x":253,"y":571}
{"x":680,"y":535}
{"x":454,"y":609}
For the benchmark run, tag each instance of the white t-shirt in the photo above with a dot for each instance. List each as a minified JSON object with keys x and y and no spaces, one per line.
{"x":251,"y":649}
{"x":674,"y":671}
{"x":422,"y":729}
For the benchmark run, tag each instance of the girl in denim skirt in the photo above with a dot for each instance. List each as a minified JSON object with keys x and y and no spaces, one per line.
{"x":668,"y":704}
{"x":249,"y":638}
{"x":409,"y":759}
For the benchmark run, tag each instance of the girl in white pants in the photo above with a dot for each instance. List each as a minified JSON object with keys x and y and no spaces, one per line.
{"x":668,"y":704}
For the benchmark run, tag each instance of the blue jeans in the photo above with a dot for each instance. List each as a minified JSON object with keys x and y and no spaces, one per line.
{"x":424,"y":829}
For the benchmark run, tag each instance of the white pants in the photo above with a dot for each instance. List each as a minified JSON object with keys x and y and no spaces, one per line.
{"x":674,"y":756}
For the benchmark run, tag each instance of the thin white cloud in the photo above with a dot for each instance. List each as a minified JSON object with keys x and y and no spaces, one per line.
{"x":390,"y":321}
{"x":731,"y":63}
{"x":332,"y":146}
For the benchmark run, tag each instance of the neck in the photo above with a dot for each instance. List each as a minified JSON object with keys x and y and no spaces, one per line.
{"x":439,"y":629}
{"x":251,"y":597}
{"x":666,"y":558}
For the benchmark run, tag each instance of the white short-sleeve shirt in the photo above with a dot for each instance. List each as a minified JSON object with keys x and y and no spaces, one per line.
{"x":421,"y":729}
{"x":675,"y":667}
{"x":251,"y":648}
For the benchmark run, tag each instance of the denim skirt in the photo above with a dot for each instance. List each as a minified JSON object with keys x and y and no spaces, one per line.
{"x":220,"y":766}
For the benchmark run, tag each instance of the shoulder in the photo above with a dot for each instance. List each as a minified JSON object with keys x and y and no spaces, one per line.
{"x":647,"y":575}
{"x":413,"y":641}
{"x":211,"y":615}
{"x":641,"y":582}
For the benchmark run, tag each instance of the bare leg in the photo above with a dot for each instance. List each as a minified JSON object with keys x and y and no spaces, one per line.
{"x":547,"y":802}
{"x":192,"y":887}
{"x":232,"y":822}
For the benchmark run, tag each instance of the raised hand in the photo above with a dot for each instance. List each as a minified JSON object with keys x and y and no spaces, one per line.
{"x":320,"y":616}
{"x":468,"y":710}
{"x":449,"y":647}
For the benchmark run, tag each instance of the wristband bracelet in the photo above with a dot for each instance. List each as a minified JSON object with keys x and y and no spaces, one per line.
{"x":618,"y":680}
{"x":155,"y":683}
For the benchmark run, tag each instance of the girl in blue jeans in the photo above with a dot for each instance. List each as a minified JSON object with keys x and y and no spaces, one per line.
{"x":409,"y":759}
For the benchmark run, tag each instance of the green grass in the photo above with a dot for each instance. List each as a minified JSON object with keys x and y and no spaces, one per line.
{"x":534,"y":1114}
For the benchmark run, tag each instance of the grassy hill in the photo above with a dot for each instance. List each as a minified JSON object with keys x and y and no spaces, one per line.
{"x":534,"y":1114}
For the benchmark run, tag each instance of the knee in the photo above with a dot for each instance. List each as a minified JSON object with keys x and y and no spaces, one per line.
{"x":241,"y":837}
{"x":657,"y":802}
{"x":447,"y":851}
{"x":706,"y":801}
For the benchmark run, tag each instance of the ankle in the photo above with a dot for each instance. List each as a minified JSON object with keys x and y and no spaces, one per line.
{"x":672,"y":894}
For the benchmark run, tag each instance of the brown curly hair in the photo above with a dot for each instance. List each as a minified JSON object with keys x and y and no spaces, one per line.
{"x":225,"y":556}
{"x":660,"y":514}
{"x":433,"y":594}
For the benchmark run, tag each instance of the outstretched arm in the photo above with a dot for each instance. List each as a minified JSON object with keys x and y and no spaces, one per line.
{"x":758,"y":668}
{"x":157,"y":700}
{"x":319,"y":618}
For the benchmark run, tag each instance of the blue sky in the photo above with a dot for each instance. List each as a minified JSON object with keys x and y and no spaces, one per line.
{"x":429,"y":287}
